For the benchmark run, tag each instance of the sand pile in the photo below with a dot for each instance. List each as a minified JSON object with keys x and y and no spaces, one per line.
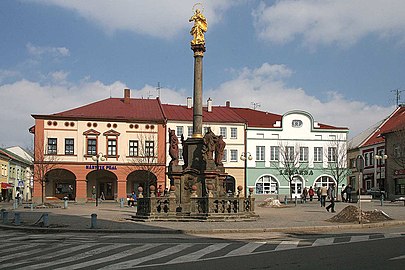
{"x":270,"y":202}
{"x":351,"y":214}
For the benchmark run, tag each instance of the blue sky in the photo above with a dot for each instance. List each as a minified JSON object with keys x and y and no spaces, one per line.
{"x":338,"y":60}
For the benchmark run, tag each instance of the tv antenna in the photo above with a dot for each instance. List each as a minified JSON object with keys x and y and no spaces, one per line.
{"x":158,"y":89}
{"x":255,"y":105}
{"x":397,"y":95}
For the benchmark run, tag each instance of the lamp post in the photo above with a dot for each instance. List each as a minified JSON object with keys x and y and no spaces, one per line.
{"x":380,"y":159}
{"x":97,"y":159}
{"x":245,"y":156}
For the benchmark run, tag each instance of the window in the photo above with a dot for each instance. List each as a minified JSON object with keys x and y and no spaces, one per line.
{"x":289,"y":153}
{"x":222,"y":132}
{"x":149,"y":148}
{"x":260,"y":153}
{"x":91,"y":147}
{"x":179,"y":131}
{"x":327,"y":180}
{"x":304,"y":154}
{"x":69,"y":146}
{"x":318,"y":154}
{"x":266,"y":185}
{"x":112,"y":147}
{"x":332,"y":154}
{"x":190,"y":131}
{"x":225,"y":157}
{"x":52,"y":146}
{"x":234,"y":155}
{"x":133,"y":148}
{"x":274,"y":153}
{"x":234,"y":133}
{"x":368,"y":159}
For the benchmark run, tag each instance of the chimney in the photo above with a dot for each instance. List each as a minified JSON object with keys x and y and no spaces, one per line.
{"x":228,"y":103}
{"x":189,"y":102}
{"x":127,"y":95}
{"x":209,"y":105}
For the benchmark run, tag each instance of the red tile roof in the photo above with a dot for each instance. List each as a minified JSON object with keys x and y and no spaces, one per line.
{"x":256,"y":118}
{"x":393,"y":122}
{"x":116,"y":108}
{"x":219,"y":114}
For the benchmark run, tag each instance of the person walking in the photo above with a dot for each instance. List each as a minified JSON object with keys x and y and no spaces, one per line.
{"x":324,"y":194}
{"x":132,"y":199}
{"x":342,"y":193}
{"x":331,"y":195}
{"x":349,"y":190}
{"x":318,"y":193}
{"x":311,"y":193}
{"x":304,"y":194}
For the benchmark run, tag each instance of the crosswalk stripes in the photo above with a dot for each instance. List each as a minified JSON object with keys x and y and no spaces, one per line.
{"x":323,"y":241}
{"x":109,"y":256}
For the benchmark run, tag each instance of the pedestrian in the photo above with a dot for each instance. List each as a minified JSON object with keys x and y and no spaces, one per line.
{"x":304,"y":194}
{"x":324,"y":194}
{"x":342,"y":193}
{"x":331,"y":195}
{"x":132,"y":199}
{"x":349,"y":190}
{"x":311,"y":193}
{"x":318,"y":193}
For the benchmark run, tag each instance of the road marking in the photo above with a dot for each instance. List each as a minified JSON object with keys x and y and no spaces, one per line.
{"x":359,"y":238}
{"x":57,"y":253}
{"x":246,"y":249}
{"x":287,"y":245}
{"x":397,"y":258}
{"x":157,"y":255}
{"x":198,"y":254}
{"x":36,"y":249}
{"x":323,"y":241}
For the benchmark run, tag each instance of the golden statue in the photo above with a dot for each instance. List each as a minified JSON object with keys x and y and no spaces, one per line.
{"x":199,"y":28}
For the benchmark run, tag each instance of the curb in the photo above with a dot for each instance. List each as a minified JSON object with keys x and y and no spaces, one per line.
{"x":211,"y":231}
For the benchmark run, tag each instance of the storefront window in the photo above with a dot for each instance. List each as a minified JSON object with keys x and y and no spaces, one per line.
{"x":266,"y":185}
{"x":399,"y":186}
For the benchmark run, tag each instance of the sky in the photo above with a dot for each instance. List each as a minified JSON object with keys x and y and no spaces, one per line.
{"x":340,"y":60}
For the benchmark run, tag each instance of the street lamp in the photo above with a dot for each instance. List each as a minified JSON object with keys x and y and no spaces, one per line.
{"x":245,"y":156}
{"x":380,"y":159}
{"x":97,"y":159}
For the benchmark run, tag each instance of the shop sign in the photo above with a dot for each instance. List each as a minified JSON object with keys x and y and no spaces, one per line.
{"x":296,"y":171}
{"x":101,"y":167}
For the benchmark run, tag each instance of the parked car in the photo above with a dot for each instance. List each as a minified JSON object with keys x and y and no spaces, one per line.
{"x":375,"y":192}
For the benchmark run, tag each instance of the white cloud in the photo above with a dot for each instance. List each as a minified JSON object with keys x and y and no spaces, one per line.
{"x":330,"y":21}
{"x":6,"y":74}
{"x":265,"y":86}
{"x":51,"y":51}
{"x":159,"y":18}
{"x":262,"y":85}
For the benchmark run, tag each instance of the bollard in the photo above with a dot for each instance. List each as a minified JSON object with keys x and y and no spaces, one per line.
{"x":93,"y":224}
{"x":32,"y":207}
{"x":17,"y":218}
{"x":5,"y":217}
{"x":65,"y":202}
{"x":285,"y":199}
{"x":45,"y":219}
{"x":295,"y":201}
{"x":382,"y":199}
{"x":15,"y":204}
{"x":122,"y":202}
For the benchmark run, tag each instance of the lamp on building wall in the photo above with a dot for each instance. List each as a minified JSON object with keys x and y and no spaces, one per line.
{"x":245,"y":156}
{"x":380,"y":159}
{"x":97,"y":159}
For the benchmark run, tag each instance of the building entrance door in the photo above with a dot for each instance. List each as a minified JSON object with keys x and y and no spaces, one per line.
{"x":296,"y":187}
{"x":106,"y":191}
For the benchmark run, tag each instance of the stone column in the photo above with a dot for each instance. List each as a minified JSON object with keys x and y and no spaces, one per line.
{"x":198,"y":79}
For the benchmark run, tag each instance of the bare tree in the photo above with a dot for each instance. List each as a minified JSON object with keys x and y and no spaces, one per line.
{"x":336,"y":156}
{"x":292,"y":161}
{"x":144,"y":156}
{"x":43,"y":163}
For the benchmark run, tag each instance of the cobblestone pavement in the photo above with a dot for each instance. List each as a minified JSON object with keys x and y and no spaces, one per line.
{"x":111,"y":217}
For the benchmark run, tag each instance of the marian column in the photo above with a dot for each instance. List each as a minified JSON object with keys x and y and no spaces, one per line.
{"x":198,"y":46}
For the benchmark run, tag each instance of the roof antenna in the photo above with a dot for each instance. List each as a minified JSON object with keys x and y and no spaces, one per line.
{"x":398,"y":95}
{"x":110,"y":93}
{"x":158,"y":90}
{"x":255,"y":105}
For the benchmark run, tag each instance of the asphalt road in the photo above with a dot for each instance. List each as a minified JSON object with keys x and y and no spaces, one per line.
{"x":378,"y":249}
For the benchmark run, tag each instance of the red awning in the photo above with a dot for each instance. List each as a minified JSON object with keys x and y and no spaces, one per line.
{"x":6,"y":186}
